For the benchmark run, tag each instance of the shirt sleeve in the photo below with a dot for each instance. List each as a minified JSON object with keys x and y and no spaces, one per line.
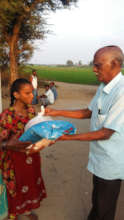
{"x":115,"y":117}
{"x":94,"y":100}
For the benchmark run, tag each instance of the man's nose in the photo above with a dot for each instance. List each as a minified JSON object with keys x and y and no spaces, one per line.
{"x":95,"y":69}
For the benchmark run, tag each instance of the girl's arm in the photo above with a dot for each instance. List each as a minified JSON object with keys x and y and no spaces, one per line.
{"x":14,"y":144}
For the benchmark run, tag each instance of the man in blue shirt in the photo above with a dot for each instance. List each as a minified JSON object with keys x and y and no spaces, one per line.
{"x":53,"y":88}
{"x":106,"y":136}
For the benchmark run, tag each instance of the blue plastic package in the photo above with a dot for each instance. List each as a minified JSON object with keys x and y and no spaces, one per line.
{"x":48,"y":129}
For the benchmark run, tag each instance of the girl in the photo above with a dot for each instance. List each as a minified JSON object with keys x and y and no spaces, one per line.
{"x":21,"y":172}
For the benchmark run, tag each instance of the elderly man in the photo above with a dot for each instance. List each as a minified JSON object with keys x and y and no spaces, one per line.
{"x":106,"y":110}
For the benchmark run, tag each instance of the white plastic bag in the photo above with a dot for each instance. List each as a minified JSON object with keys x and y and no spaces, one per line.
{"x":39,"y":118}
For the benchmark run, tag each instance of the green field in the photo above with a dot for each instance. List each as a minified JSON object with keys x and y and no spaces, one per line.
{"x":79,"y":75}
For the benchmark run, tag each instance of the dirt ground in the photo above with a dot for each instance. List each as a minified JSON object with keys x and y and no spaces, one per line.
{"x":68,"y":183}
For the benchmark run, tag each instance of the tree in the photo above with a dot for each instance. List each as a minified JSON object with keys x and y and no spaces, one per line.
{"x":69,"y":63}
{"x":21,"y":22}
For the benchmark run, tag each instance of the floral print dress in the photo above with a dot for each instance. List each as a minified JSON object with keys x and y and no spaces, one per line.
{"x":21,"y":172}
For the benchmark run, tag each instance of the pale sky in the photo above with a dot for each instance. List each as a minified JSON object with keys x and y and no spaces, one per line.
{"x":79,"y":32}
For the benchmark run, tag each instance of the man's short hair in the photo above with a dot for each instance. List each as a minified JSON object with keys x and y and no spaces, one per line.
{"x":116,"y":52}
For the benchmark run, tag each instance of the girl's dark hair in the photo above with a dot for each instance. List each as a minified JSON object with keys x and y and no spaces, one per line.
{"x":15,"y":87}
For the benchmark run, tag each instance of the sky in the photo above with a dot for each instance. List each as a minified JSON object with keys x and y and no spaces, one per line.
{"x":78,"y":32}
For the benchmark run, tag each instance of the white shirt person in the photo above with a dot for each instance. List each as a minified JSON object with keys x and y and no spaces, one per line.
{"x":48,"y":97}
{"x":34,"y":82}
{"x":106,"y":135}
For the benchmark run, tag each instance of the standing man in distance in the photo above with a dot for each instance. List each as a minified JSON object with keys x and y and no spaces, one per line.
{"x":34,"y":82}
{"x":106,"y":135}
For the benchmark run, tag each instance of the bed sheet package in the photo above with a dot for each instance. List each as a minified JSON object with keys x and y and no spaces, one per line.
{"x":51,"y":129}
{"x":45,"y":127}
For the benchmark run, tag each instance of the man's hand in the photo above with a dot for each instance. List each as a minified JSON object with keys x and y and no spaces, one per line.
{"x":50,"y":111}
{"x":64,"y":137}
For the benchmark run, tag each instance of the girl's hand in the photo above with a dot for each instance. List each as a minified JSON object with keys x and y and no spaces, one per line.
{"x":40,"y":145}
{"x":16,"y":145}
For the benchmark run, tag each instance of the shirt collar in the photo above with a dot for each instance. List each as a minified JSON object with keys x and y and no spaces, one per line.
{"x":107,"y":89}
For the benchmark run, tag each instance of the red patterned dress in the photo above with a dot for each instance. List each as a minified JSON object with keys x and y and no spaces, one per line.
{"x":21,"y":172}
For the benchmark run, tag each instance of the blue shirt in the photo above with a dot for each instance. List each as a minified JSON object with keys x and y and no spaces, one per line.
{"x":53,"y":88}
{"x":106,"y":157}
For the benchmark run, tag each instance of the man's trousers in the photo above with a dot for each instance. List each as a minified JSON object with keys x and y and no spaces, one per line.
{"x":104,"y":199}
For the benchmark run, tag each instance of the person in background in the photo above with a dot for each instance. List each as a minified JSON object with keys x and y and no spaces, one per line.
{"x":21,"y":172}
{"x":34,"y":82}
{"x":106,"y":135}
{"x":48,"y":97}
{"x":53,"y":88}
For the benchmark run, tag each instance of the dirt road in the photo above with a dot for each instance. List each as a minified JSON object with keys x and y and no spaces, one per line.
{"x":64,"y":170}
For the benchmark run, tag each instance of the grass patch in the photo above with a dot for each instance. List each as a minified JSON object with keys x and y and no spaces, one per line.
{"x":78,"y":75}
{"x":64,"y":74}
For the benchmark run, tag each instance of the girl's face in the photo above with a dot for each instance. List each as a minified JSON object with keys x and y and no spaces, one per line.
{"x":25,"y":94}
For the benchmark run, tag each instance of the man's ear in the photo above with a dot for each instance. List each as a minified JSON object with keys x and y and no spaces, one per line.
{"x":114,"y":63}
{"x":16,"y":95}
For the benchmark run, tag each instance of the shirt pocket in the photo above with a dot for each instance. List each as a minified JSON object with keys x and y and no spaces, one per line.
{"x":100,"y":120}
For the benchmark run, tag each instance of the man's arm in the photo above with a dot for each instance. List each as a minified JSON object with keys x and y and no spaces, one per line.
{"x":84,"y":113}
{"x":101,"y":134}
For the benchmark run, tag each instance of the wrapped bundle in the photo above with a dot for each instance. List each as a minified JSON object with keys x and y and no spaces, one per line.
{"x":51,"y":129}
{"x":42,"y":129}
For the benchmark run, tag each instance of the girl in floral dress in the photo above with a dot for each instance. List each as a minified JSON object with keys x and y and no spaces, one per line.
{"x":21,"y":172}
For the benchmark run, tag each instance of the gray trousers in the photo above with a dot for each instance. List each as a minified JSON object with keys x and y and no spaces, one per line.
{"x":104,"y":199}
